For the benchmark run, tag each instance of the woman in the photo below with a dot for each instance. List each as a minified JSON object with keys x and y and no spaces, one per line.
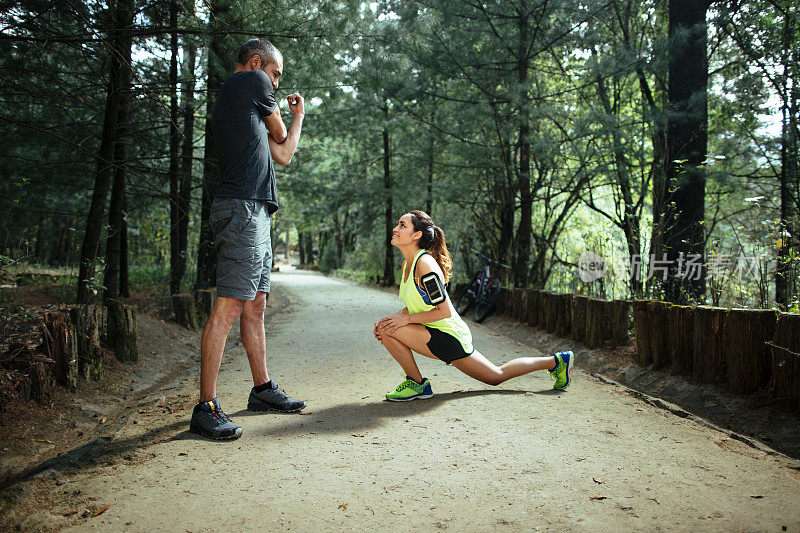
{"x":436,"y":331}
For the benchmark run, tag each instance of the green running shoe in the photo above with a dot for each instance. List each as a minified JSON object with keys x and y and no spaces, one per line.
{"x":562,"y":373}
{"x":411,"y":390}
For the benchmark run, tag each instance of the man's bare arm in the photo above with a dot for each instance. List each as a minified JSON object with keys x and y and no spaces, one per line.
{"x":275,"y":126}
{"x":282,"y":152}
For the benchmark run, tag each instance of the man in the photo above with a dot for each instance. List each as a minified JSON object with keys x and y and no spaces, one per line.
{"x":248,"y":135}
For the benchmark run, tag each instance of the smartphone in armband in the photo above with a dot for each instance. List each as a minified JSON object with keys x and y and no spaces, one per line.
{"x":432,"y":285}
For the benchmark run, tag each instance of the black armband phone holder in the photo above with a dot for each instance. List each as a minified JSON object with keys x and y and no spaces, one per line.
{"x":433,"y":286}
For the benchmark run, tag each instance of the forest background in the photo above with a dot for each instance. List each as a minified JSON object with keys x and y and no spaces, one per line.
{"x":658,"y":135}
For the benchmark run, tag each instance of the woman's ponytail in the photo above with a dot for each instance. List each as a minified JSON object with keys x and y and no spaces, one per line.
{"x":433,"y":241}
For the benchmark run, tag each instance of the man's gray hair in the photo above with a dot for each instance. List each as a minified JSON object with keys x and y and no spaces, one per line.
{"x":265,"y":50}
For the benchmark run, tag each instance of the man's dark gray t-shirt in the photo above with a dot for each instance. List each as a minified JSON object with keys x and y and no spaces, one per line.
{"x":240,"y":137}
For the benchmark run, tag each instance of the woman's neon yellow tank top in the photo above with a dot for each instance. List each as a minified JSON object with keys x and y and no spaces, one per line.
{"x":412,"y":299}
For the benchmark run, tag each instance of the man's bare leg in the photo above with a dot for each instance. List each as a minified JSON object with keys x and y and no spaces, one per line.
{"x":251,"y":326}
{"x":265,"y":395}
{"x":223,"y":315}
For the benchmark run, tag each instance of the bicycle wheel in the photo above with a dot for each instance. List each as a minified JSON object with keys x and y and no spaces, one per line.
{"x":467,"y":296}
{"x":485,"y":305}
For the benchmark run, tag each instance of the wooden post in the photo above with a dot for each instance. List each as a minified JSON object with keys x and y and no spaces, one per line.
{"x":595,"y":327}
{"x":543,"y":307}
{"x":522,"y":305}
{"x":747,"y":357}
{"x":61,"y":345}
{"x":564,"y":318}
{"x":43,"y":383}
{"x":516,"y":303}
{"x":90,"y":356}
{"x":785,"y":379}
{"x":620,"y":321}
{"x":708,"y":364}
{"x":532,"y":311}
{"x":551,"y":303}
{"x":681,"y":330}
{"x":641,"y":325}
{"x":659,"y":334}
{"x":205,"y":298}
{"x":578,"y":309}
{"x":502,"y":300}
{"x":508,"y":308}
{"x":185,"y":310}
{"x":122,"y":331}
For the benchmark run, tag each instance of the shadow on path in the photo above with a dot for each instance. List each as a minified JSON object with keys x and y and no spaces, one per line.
{"x":97,"y":451}
{"x":358,"y":417}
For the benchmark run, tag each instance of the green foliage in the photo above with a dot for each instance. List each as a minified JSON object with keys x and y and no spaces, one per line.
{"x":461,"y":89}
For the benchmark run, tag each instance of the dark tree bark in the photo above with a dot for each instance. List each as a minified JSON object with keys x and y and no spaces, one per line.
{"x":218,"y":61}
{"x":187,"y":150}
{"x":522,"y":242}
{"x":174,"y":156}
{"x":687,"y":138}
{"x":785,"y":289}
{"x":122,"y":18}
{"x":124,"y":288}
{"x":301,"y":248}
{"x":116,"y":211}
{"x":388,"y":266}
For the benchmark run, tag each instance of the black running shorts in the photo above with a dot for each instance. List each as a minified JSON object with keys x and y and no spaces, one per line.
{"x":444,"y":346}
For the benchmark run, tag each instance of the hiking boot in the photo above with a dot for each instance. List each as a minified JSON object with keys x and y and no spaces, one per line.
{"x":561,"y":374}
{"x":411,"y":390}
{"x":209,"y":420}
{"x":273,"y":399}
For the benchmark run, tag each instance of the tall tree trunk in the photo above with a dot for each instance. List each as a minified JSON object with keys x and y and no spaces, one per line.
{"x":522,"y":243}
{"x":388,"y":265}
{"x":687,"y":137}
{"x":121,"y":22}
{"x":187,"y":150}
{"x":785,"y":289}
{"x":116,"y":210}
{"x":174,"y":156}
{"x":124,"y":288}
{"x":217,"y":60}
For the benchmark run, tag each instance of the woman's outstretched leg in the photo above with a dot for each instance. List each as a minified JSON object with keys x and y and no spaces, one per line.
{"x":480,"y":368}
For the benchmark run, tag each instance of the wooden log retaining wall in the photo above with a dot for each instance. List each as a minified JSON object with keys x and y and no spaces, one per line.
{"x":746,"y":350}
{"x":784,"y":386}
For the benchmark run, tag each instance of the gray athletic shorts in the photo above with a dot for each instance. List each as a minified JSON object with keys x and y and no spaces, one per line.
{"x":244,"y":249}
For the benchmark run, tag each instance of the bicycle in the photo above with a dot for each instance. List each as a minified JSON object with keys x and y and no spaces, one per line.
{"x":482,"y":291}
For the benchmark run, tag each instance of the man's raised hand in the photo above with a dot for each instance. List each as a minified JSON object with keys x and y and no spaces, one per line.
{"x":296,"y":104}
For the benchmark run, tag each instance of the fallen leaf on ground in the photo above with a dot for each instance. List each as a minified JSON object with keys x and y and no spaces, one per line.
{"x":183,"y":453}
{"x":658,"y":502}
{"x":598,"y":480}
{"x":581,"y":459}
{"x":598,"y":497}
{"x":343,"y":506}
{"x":101,"y":510}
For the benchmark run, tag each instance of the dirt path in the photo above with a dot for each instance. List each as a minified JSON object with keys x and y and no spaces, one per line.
{"x":473,"y":458}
